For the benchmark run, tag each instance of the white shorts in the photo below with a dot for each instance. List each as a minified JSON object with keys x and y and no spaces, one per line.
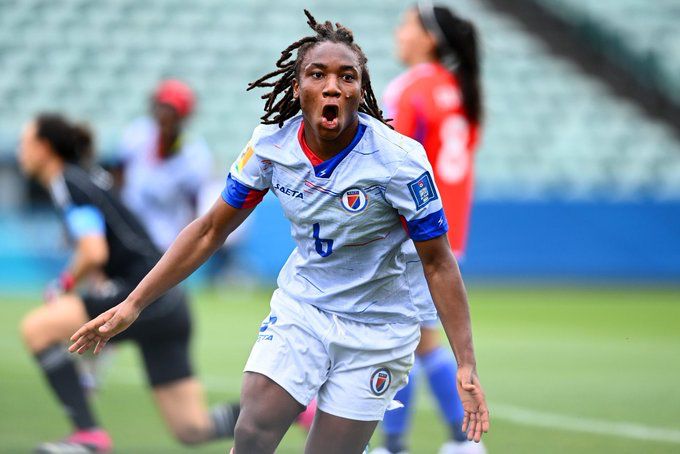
{"x":354,"y":369}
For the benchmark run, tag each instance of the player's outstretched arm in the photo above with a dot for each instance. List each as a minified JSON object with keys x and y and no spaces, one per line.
{"x":448,"y":292}
{"x":198,"y":241}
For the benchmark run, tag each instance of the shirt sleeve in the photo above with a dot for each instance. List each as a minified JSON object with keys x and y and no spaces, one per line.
{"x":413,"y":193}
{"x":248,"y":180}
{"x":84,"y":220}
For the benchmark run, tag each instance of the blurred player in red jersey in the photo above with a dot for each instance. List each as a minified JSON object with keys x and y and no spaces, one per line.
{"x":438,"y":102}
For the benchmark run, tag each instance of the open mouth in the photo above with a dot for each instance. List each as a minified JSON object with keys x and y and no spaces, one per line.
{"x":329,"y":116}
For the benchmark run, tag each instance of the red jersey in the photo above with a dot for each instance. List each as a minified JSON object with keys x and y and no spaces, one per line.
{"x":426,"y":104}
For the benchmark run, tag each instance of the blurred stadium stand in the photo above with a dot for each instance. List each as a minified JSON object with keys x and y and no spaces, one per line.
{"x":641,"y":34}
{"x":552,"y":131}
{"x":554,"y":135}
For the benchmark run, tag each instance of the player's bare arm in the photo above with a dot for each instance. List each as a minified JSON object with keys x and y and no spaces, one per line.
{"x":198,"y":241}
{"x":91,"y":254}
{"x":448,"y":292}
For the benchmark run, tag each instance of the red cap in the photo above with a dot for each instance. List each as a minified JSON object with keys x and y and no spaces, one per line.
{"x":176,"y":94}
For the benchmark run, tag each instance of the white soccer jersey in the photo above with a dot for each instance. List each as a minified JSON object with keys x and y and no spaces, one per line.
{"x":351,"y":217}
{"x":162,"y":192}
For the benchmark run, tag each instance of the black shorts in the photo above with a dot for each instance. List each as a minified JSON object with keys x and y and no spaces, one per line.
{"x":162,"y":331}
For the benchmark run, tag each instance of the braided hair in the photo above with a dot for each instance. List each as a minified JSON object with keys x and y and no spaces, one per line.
{"x":280,"y":103}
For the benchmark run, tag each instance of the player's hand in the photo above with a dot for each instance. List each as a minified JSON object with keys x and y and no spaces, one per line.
{"x":476,"y":419}
{"x":97,"y":332}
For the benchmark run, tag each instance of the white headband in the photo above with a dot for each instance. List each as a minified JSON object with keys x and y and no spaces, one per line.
{"x":447,"y":55}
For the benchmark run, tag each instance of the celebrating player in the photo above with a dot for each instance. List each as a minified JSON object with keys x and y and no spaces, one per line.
{"x":108,"y":240}
{"x":343,"y":322}
{"x":437,"y":101}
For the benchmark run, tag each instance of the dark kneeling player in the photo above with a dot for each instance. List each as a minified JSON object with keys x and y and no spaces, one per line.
{"x":112,"y":254}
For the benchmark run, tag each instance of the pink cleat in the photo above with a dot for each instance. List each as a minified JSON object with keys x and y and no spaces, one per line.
{"x":83,"y":441}
{"x":306,"y":418}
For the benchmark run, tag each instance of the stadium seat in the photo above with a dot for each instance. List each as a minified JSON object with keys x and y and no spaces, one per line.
{"x":550,"y":131}
{"x":641,"y":34}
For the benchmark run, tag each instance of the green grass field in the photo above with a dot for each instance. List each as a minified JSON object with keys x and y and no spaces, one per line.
{"x":566,"y":370}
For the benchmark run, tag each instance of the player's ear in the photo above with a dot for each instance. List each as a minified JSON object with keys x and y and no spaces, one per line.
{"x":431,"y":43}
{"x":296,"y":89}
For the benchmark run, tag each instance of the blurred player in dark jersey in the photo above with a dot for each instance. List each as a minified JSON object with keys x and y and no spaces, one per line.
{"x":438,"y":102}
{"x":111,"y":244}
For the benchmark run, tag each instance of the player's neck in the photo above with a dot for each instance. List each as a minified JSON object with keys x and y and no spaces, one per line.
{"x":326,"y":149}
{"x":420,"y":59}
{"x":167,"y":144}
{"x":51,"y":170}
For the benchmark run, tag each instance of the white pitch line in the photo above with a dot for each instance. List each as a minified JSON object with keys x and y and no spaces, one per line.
{"x":526,"y":416}
{"x":515,"y":414}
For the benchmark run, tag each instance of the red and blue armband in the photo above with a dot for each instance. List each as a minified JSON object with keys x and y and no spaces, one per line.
{"x":241,"y":196}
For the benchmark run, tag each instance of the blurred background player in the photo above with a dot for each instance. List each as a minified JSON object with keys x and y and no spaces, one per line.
{"x":162,"y":167}
{"x":164,"y":174}
{"x":438,"y":102}
{"x":160,"y":170}
{"x":108,"y":241}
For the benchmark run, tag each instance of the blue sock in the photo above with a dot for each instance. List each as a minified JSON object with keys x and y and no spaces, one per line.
{"x":395,"y":423}
{"x":440,"y":367}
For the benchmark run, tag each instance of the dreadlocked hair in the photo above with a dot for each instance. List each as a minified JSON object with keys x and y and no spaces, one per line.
{"x":280,"y":103}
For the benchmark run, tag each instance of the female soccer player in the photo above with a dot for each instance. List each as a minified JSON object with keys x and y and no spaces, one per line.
{"x":108,"y":240}
{"x":163,"y":167}
{"x":437,"y":102}
{"x":343,"y":323}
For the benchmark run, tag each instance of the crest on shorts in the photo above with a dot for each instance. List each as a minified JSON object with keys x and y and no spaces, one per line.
{"x":354,"y":200}
{"x":380,"y":381}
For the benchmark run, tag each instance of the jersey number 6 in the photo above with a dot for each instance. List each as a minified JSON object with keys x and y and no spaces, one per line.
{"x":319,"y":243}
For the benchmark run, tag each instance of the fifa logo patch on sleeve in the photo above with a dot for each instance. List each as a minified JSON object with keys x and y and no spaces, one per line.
{"x":422,"y":190}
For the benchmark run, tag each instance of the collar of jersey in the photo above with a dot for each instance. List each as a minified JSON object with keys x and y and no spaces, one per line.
{"x":324,"y":169}
{"x":175,"y":148}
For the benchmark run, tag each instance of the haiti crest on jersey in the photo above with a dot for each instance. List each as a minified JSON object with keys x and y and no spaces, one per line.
{"x":380,"y":381}
{"x":354,"y":200}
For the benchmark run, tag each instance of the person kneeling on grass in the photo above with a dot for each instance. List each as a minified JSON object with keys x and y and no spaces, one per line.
{"x":108,"y":240}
